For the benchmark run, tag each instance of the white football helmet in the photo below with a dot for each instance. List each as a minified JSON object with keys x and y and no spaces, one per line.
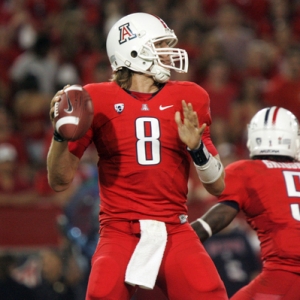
{"x":131,"y":43}
{"x":274,"y":131}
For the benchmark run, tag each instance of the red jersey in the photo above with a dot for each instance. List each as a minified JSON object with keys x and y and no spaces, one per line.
{"x":269,"y":194}
{"x":143,"y":165}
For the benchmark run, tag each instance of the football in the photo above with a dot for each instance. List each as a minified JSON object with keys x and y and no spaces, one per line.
{"x":73,"y":114}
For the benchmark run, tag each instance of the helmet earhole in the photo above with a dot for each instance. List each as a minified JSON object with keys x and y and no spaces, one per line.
{"x":133,"y":54}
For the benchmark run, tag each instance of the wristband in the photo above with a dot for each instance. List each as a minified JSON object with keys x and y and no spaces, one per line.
{"x":206,"y":226}
{"x":57,"y":137}
{"x":211,"y":171}
{"x":200,"y":155}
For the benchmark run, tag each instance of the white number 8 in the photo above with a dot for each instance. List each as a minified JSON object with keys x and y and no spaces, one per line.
{"x":148,"y":144}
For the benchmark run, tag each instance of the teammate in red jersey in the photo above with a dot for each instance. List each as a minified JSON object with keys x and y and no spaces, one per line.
{"x":267,"y":189}
{"x":144,"y":161}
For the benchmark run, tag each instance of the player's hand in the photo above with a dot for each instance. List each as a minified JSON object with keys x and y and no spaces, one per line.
{"x":55,"y":99}
{"x":189,"y":131}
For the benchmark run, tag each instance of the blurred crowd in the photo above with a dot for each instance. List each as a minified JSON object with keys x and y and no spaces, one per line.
{"x":245,"y":53}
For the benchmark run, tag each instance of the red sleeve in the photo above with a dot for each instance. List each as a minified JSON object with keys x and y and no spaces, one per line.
{"x":201,"y":104}
{"x":208,"y":142}
{"x":78,"y":147}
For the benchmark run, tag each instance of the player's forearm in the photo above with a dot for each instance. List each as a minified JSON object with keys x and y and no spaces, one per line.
{"x":217,"y":187}
{"x":217,"y":218}
{"x":209,"y":169}
{"x":61,"y":166}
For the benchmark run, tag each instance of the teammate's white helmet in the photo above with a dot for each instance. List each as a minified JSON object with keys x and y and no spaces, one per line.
{"x":130,"y":43}
{"x":274,"y":131}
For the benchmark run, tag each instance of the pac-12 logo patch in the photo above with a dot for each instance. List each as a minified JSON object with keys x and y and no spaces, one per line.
{"x":126,"y":33}
{"x":119,"y":107}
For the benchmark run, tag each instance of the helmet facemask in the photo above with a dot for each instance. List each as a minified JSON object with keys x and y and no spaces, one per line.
{"x":177,"y":59}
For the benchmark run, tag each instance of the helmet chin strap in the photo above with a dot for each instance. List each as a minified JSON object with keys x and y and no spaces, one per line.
{"x":161,"y":74}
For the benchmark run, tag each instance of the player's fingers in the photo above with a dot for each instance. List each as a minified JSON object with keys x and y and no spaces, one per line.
{"x":184,"y":108}
{"x":191,"y":116}
{"x":202,"y":128}
{"x":194,"y":119}
{"x":187,"y":107}
{"x":55,"y":99}
{"x":190,"y":107}
{"x":60,"y":92}
{"x":190,"y":110}
{"x":66,"y":86}
{"x":51,"y":114}
{"x":187,"y":111}
{"x":178,"y":118}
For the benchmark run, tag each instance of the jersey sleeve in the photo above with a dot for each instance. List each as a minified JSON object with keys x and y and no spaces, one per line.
{"x":235,"y":182}
{"x":208,"y":142}
{"x":78,"y":147}
{"x":202,"y":106}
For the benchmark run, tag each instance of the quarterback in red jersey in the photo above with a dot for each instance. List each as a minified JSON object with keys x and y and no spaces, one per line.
{"x":267,"y":189}
{"x":146,"y":129}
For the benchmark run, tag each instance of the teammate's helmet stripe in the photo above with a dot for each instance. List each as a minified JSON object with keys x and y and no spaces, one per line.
{"x":276,"y":109}
{"x":267,"y":116}
{"x":275,"y":115}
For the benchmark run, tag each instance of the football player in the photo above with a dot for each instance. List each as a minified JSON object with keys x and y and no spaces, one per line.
{"x":267,"y":189}
{"x":146,"y":129}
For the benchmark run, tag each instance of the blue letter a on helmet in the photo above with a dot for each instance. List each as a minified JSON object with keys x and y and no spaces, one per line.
{"x":126,"y":33}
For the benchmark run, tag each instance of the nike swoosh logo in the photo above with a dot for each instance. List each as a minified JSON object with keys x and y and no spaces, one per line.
{"x":165,"y":107}
{"x":70,"y":107}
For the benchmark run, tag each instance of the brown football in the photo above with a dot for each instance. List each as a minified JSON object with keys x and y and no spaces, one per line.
{"x":73,"y":114}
